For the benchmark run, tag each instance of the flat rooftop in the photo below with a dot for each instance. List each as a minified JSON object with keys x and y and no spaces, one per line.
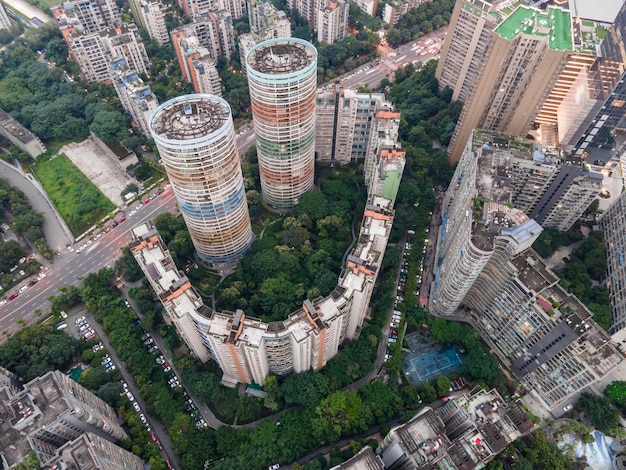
{"x":556,"y":25}
{"x":190,"y":117}
{"x":281,"y":56}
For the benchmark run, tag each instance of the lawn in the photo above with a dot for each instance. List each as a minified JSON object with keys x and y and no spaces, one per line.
{"x":76,"y":198}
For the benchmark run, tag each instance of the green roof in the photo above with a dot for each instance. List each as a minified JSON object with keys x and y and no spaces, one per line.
{"x":556,"y":25}
{"x":391,"y":185}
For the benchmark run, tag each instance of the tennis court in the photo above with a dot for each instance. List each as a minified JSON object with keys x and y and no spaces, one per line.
{"x":427,"y":364}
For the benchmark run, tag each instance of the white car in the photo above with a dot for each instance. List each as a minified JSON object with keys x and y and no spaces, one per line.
{"x":22,"y":289}
{"x":136,"y":406}
{"x":131,"y":213}
{"x":568,"y":407}
{"x":2,"y":302}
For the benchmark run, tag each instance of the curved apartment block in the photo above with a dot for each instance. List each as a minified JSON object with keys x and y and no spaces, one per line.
{"x":196,"y":140}
{"x":247,"y":349}
{"x":282,"y":77}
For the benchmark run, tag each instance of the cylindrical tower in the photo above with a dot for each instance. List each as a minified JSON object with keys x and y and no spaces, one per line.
{"x":282,"y":77}
{"x":196,"y":140}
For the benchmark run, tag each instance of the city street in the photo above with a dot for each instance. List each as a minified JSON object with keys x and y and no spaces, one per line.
{"x":71,"y":266}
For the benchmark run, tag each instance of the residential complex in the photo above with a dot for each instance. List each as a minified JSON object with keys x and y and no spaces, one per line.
{"x":282,"y":78}
{"x":463,"y":434}
{"x":5,"y":23}
{"x":213,"y":30}
{"x":150,"y":14}
{"x":52,"y":414}
{"x":367,"y":6}
{"x":136,"y":97}
{"x":307,"y":9}
{"x":332,"y":21}
{"x":198,"y":66}
{"x":94,"y":52}
{"x":196,"y":140}
{"x":613,"y":223}
{"x":485,"y":59}
{"x":247,"y":349}
{"x":485,"y":267}
{"x":347,"y":122}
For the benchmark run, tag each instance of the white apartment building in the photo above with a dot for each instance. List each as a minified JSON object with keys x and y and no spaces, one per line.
{"x":332,"y":21}
{"x":135,"y":96}
{"x":86,"y":16}
{"x":150,"y":14}
{"x":346,"y":121}
{"x":94,"y":52}
{"x":247,"y":349}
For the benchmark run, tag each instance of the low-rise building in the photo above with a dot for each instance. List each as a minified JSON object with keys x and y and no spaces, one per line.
{"x":395,"y":10}
{"x":19,"y":136}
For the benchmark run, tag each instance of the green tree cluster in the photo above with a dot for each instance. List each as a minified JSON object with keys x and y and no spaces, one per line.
{"x":35,"y":350}
{"x":551,"y":239}
{"x":300,"y":255}
{"x":424,"y":19}
{"x":587,"y":264}
{"x":26,"y":222}
{"x":603,"y":415}
{"x":529,"y":453}
{"x":616,"y":391}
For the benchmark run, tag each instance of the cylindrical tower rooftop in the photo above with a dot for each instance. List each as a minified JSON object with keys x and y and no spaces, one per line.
{"x":282,"y":77}
{"x":196,"y":140}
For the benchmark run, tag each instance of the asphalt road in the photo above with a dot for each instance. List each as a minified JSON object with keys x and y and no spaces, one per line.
{"x":71,"y":266}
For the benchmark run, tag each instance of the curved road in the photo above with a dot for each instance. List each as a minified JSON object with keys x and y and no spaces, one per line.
{"x":56,"y":232}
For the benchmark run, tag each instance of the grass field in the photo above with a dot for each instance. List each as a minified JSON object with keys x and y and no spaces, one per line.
{"x":76,"y":198}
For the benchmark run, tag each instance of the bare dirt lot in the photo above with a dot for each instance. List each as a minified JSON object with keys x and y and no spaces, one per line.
{"x":103,"y":171}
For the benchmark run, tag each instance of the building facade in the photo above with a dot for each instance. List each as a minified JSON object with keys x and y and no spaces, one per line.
{"x":94,"y":52}
{"x":214,"y":30}
{"x":613,"y":223}
{"x":135,"y":96}
{"x":282,"y":78}
{"x":198,"y":66}
{"x":346,"y":123}
{"x":394,"y":11}
{"x":196,"y":140}
{"x":87,"y":16}
{"x":150,"y":14}
{"x":486,"y":58}
{"x":332,"y":21}
{"x":51,"y":411}
{"x":485,"y":267}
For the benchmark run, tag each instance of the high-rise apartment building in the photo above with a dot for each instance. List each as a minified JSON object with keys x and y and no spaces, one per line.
{"x":513,"y":66}
{"x":135,"y":96}
{"x":93,"y":452}
{"x":307,"y":9}
{"x":395,"y":10}
{"x":367,"y":6}
{"x":266,"y":22}
{"x":282,"y":78}
{"x":463,"y":434}
{"x":150,"y":14}
{"x":345,"y":123}
{"x":214,"y":30}
{"x":613,"y":223}
{"x":248,"y":349}
{"x":94,"y":52}
{"x":485,"y":264}
{"x":5,"y":23}
{"x":198,"y":66}
{"x":87,"y":16}
{"x":196,"y":141}
{"x":195,"y":8}
{"x":50,"y":412}
{"x":332,"y":21}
